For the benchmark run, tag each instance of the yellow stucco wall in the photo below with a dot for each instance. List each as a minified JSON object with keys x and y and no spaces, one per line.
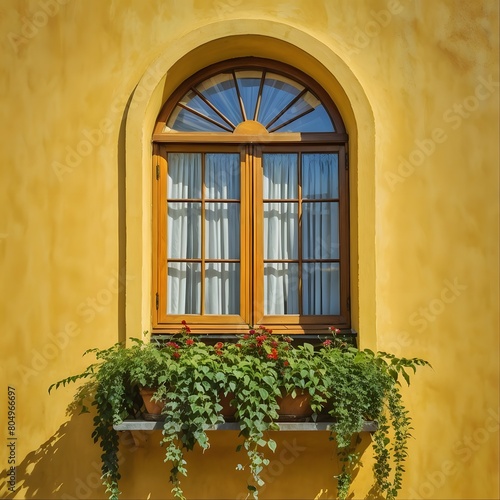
{"x":417,"y":85}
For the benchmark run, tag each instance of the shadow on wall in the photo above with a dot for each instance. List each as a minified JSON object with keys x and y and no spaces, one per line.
{"x":64,"y":467}
{"x":67,"y":467}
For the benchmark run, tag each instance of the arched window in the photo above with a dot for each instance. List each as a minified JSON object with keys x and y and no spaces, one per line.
{"x":250,"y":204}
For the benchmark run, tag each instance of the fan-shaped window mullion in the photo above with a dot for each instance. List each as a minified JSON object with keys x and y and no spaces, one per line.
{"x":249,"y":82}
{"x":240,"y":100}
{"x":285,"y":109}
{"x":278,"y":92}
{"x":221,"y":92}
{"x":259,"y":97}
{"x":291,"y":120}
{"x":247,"y":96}
{"x":207,"y":118}
{"x":211,"y":106}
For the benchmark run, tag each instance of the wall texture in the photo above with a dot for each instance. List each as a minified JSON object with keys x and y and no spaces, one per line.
{"x":417,"y":83}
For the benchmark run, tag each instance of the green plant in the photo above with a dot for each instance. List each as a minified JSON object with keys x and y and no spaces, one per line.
{"x":258,"y":368}
{"x":361,"y":385}
{"x":346,"y":385}
{"x":191,"y":392}
{"x":251,"y":373}
{"x":110,"y":390}
{"x":148,"y":362}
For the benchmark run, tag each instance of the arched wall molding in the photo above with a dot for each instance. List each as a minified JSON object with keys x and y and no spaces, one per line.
{"x":225,"y":40}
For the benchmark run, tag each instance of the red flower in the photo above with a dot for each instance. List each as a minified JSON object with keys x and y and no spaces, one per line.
{"x":273,"y":354}
{"x":173,"y":345}
{"x":286,"y":363}
{"x":218,"y":348}
{"x":176,"y":355}
{"x":189,"y":342}
{"x":184,"y":322}
{"x":261,"y":338}
{"x":327,"y":343}
{"x":238,"y":345}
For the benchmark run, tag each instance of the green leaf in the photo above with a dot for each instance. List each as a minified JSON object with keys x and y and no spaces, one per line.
{"x":405,"y":376}
{"x":263,"y":393}
{"x":272,"y":445}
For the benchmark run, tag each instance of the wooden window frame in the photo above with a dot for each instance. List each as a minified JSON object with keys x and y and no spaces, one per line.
{"x":250,"y":146}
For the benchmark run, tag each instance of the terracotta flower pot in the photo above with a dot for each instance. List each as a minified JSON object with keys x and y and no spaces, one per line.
{"x":153,"y":408}
{"x":293,"y":409}
{"x":324,"y":415}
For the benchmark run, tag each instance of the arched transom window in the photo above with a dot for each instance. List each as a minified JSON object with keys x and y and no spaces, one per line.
{"x":250,"y":207}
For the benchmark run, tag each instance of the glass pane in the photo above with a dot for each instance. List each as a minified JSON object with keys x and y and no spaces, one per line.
{"x":184,"y":230}
{"x":249,"y":84}
{"x":184,"y":288}
{"x":184,"y":120}
{"x":220,"y":90}
{"x":281,"y":288}
{"x":315,"y":121}
{"x":280,"y":231}
{"x":320,"y":174}
{"x":280,"y":176}
{"x":320,"y":230}
{"x":222,"y":230}
{"x":194,"y":101}
{"x":184,"y":176}
{"x":278,"y":91}
{"x":222,"y":288}
{"x":321,"y":289}
{"x":222,"y":176}
{"x":305,"y":106}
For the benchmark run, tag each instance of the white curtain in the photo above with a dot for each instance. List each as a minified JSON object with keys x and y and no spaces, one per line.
{"x":222,"y":233}
{"x":220,"y":220}
{"x":184,"y":233}
{"x":281,"y":293}
{"x":221,"y":230}
{"x":319,"y":234}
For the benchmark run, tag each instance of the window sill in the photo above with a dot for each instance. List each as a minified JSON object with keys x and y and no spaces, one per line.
{"x":348,"y":335}
{"x":148,"y":425}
